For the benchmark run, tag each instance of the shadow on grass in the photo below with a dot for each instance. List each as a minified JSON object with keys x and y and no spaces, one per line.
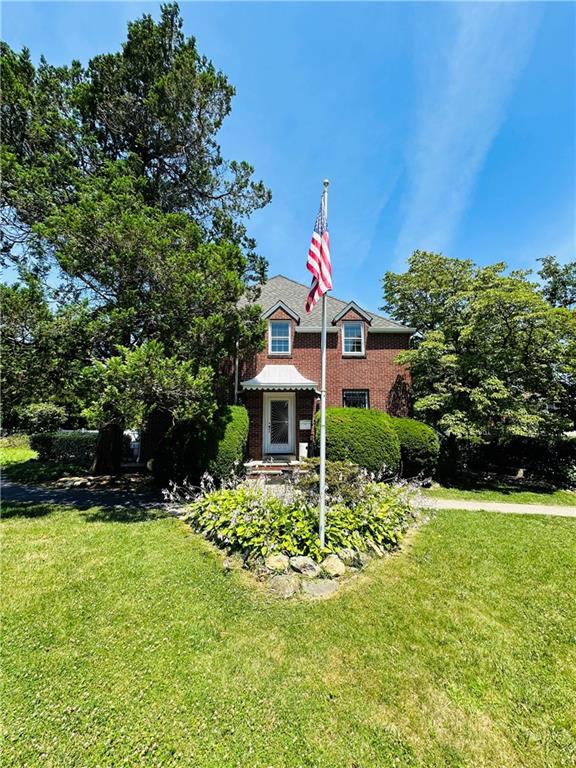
{"x":120,"y":514}
{"x":35,"y":471}
{"x":91,"y":514}
{"x":25,"y":509}
{"x":506,"y":487}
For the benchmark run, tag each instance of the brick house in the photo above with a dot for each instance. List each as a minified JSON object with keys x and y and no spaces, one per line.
{"x":279,"y":386}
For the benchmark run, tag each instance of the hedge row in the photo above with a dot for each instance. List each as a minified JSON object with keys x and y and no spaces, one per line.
{"x":380,"y":443}
{"x":231,"y":446}
{"x":77,"y":448}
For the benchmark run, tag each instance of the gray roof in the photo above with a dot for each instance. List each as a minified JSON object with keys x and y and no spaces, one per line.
{"x":293,"y":294}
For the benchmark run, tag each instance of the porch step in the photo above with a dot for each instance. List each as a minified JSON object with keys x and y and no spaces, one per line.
{"x":271,"y":470}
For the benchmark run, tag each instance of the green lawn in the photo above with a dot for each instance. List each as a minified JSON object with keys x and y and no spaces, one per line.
{"x":507,"y":492}
{"x":126,"y":643}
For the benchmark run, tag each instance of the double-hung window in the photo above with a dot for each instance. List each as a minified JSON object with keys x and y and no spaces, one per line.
{"x":352,"y":338}
{"x":279,"y":341}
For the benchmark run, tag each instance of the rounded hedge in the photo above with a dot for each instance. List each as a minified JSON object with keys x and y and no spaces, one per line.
{"x":363,"y":436}
{"x":231,"y":446}
{"x":188,"y":450}
{"x":419,"y":446}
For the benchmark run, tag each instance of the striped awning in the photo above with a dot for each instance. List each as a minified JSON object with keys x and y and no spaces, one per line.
{"x":279,"y":377}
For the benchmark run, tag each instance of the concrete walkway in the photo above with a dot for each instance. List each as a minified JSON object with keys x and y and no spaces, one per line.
{"x":500,"y":506}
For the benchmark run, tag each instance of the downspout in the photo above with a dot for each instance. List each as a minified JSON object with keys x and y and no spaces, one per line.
{"x":236,"y":374}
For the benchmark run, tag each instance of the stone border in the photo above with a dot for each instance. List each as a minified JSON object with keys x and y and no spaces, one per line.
{"x":287,"y":577}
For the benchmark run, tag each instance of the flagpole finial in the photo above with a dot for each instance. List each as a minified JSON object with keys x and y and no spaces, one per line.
{"x":326,"y":183}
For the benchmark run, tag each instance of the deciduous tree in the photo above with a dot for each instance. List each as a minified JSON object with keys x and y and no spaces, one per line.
{"x":493,"y":359}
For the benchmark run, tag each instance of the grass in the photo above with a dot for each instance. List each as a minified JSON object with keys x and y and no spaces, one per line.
{"x":512,"y":493}
{"x":20,"y":463}
{"x":126,"y":643}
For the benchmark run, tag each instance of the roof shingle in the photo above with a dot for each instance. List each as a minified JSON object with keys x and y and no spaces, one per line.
{"x":293,"y":294}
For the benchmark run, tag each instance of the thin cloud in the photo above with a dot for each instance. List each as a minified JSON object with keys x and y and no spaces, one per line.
{"x":465,"y":91}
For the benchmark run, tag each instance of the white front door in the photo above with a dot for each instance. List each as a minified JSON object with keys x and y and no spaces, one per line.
{"x":278,"y":422}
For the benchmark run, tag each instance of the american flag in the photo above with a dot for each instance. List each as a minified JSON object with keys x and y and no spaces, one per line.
{"x":319,"y":258}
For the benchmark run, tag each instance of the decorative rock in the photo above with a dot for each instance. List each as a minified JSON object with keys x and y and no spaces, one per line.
{"x":304,"y":565}
{"x":284,"y":585}
{"x":373,"y":547}
{"x":349,"y":557}
{"x":333,"y":566}
{"x":277,"y":563}
{"x":319,"y":588}
{"x":228,"y":564}
{"x":363,"y":559}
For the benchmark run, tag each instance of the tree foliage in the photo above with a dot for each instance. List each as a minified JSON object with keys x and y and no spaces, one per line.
{"x":154,"y":107}
{"x":137,"y":381}
{"x":559,"y":282}
{"x":43,"y":352}
{"x":493,"y":358}
{"x":119,"y":207}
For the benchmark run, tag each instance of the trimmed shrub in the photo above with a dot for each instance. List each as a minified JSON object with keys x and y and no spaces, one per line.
{"x":188,"y":450}
{"x":231,"y":447}
{"x":41,"y":417}
{"x":363,"y":436}
{"x":257,"y":524}
{"x":77,"y":448}
{"x":419,"y":446}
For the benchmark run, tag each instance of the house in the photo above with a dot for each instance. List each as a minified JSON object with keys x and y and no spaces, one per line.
{"x":279,"y":386}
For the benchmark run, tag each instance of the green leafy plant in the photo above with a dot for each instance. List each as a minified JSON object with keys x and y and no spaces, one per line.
{"x":419,"y":446}
{"x":345,"y":481}
{"x":192,"y":447}
{"x":495,"y":357}
{"x":364,"y":437}
{"x":41,"y":417}
{"x":257,"y":524}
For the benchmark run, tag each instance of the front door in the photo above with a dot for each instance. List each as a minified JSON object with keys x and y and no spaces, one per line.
{"x":278,"y":423}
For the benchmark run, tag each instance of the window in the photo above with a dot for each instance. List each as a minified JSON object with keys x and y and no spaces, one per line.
{"x":355,"y":398}
{"x":279,"y":337}
{"x":352,"y":339}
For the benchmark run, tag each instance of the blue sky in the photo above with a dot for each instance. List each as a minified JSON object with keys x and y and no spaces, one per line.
{"x":442,"y":126}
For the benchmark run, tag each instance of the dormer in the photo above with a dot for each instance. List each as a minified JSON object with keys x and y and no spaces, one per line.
{"x":353,"y":322}
{"x":281,"y":323}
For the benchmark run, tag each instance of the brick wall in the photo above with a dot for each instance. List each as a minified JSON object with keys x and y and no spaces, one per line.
{"x":388,"y":383}
{"x":376,"y":371}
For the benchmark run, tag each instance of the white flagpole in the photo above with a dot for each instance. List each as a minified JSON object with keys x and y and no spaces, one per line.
{"x":323,"y":404}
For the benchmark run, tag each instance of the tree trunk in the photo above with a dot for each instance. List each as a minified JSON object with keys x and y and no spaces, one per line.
{"x":108,"y":450}
{"x":153,"y":432}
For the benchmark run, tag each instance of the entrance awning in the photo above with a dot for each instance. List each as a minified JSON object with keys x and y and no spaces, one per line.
{"x":279,"y":377}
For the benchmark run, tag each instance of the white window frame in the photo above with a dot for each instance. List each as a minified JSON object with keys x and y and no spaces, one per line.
{"x":348,"y":323}
{"x":281,"y":354}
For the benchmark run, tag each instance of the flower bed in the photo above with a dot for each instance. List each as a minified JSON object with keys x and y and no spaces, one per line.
{"x":278,"y":537}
